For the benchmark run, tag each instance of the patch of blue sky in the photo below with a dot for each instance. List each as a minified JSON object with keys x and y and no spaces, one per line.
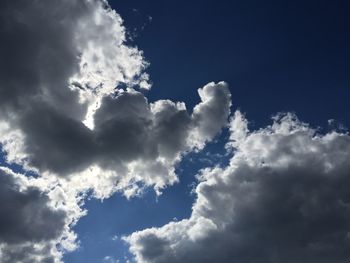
{"x":100,"y":231}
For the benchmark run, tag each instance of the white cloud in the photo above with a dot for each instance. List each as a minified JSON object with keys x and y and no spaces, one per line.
{"x":211,"y":114}
{"x":109,"y":259}
{"x":283,"y":198}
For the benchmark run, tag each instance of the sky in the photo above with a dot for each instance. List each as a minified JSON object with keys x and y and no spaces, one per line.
{"x":162,"y":131}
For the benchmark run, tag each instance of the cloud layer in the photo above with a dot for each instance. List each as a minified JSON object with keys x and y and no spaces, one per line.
{"x":283,"y":198}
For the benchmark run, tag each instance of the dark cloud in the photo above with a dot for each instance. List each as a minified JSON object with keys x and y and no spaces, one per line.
{"x":126,"y":129}
{"x":60,"y":68}
{"x":123,"y":128}
{"x":63,"y":115}
{"x":55,"y":142}
{"x":283,"y":198}
{"x":171,"y":126}
{"x":28,"y":253}
{"x":37,"y":53}
{"x":26,"y":219}
{"x":45,"y":47}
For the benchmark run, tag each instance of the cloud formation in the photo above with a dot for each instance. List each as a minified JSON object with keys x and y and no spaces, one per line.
{"x":135,"y":140}
{"x":68,"y":75}
{"x":283,"y":198}
{"x":30,"y":223}
{"x":72,"y":111}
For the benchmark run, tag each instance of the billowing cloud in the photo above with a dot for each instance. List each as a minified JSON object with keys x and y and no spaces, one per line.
{"x":72,"y":111}
{"x":80,"y":43}
{"x":64,"y":113}
{"x":132,"y":139}
{"x":31,"y":223}
{"x":284,"y":197}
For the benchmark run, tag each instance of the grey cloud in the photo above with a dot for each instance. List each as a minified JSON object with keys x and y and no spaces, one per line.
{"x":283,"y":198}
{"x":126,"y":129}
{"x":28,"y":253}
{"x":26,"y":220}
{"x":46,"y":44}
{"x":37,"y":53}
{"x":171,"y":125}
{"x":83,"y":42}
{"x":55,"y":142}
{"x":63,"y":115}
{"x":25,"y":215}
{"x":123,"y":128}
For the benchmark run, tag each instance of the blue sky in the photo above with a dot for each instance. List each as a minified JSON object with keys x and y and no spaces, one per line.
{"x":118,"y":216}
{"x":275,"y":56}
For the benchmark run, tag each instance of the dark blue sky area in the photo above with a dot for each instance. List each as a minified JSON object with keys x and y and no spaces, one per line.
{"x":276,"y":56}
{"x":117,"y":216}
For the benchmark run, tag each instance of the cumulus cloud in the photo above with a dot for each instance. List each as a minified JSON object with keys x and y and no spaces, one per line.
{"x":31,"y":223}
{"x":69,"y":73}
{"x":132,"y":139}
{"x":211,"y":114}
{"x":283,"y":198}
{"x":73,"y":112}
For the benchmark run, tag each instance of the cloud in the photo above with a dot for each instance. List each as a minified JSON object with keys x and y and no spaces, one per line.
{"x":210,"y":115}
{"x":133,"y":139}
{"x":30,"y":223}
{"x":72,"y":111}
{"x":283,"y":198}
{"x":64,"y":111}
{"x":77,"y":42}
